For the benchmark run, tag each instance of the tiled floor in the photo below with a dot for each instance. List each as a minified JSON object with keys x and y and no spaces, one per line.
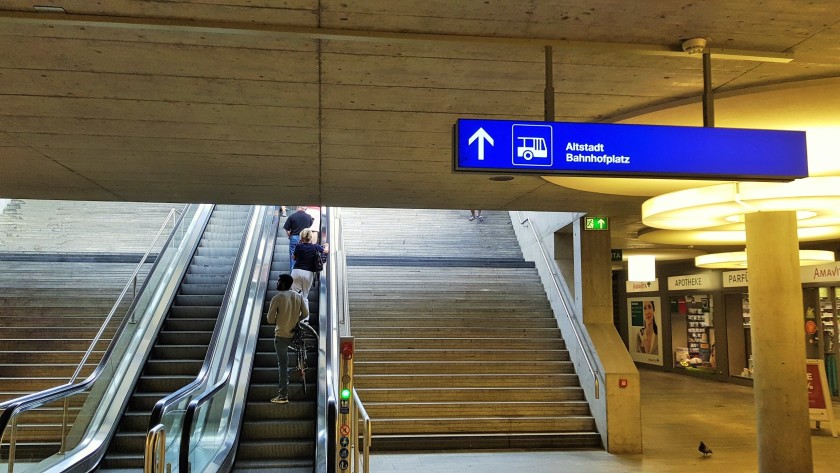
{"x":677,"y":412}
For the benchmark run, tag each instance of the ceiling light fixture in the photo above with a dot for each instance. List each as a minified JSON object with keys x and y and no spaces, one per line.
{"x":48,"y":9}
{"x":501,"y":178}
{"x":738,"y":259}
{"x":641,"y":268}
{"x":816,"y":201}
{"x":694,"y":45}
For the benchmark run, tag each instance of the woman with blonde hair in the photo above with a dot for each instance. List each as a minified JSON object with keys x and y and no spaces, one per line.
{"x":305,"y":259}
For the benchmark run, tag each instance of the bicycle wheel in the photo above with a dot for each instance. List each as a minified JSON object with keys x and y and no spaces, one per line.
{"x":300,"y":364}
{"x":308,"y":338}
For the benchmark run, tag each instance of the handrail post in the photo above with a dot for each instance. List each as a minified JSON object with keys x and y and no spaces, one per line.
{"x":12,"y":444}
{"x":64,"y":425}
{"x":354,"y":421}
{"x":155,"y":450}
{"x":359,"y":410}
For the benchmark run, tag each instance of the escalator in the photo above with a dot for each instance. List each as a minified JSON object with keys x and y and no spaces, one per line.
{"x":183,"y":340}
{"x":279,"y":437}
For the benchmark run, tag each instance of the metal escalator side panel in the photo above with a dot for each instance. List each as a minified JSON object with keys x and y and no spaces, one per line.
{"x":209,"y":441}
{"x":110,"y":392}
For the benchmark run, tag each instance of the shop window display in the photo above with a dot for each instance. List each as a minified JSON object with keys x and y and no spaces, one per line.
{"x":693,"y":332}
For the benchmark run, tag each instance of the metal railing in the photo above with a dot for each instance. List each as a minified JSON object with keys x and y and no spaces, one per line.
{"x":364,"y":438}
{"x":132,"y":282}
{"x":12,"y":409}
{"x":155,"y":445}
{"x":342,"y":307}
{"x":564,"y":298}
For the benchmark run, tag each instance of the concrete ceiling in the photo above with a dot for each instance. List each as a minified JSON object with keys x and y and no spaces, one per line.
{"x":351,"y":103}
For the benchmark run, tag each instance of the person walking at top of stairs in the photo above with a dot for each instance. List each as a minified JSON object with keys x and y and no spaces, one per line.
{"x":293,"y":226}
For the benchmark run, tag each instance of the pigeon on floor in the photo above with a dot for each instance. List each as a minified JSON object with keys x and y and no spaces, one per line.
{"x":704,"y":449}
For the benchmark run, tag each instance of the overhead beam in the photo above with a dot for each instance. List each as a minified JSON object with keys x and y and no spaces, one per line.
{"x":255,"y":29}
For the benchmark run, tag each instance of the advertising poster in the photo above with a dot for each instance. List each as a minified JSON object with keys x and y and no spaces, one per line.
{"x":645,"y":332}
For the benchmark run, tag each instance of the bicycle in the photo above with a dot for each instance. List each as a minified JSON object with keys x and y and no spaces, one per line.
{"x":303,"y":339}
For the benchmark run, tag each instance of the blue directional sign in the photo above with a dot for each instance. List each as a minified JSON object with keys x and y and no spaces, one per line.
{"x":613,"y":150}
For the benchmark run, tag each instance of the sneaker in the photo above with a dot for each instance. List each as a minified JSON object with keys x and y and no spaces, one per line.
{"x":480,"y":218}
{"x":280,"y":400}
{"x":471,"y":219}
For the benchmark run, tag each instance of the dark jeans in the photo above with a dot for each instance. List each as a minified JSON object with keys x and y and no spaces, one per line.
{"x":281,"y":346}
{"x":293,"y":241}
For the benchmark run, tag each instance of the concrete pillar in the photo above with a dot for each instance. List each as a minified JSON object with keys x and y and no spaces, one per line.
{"x":593,"y":296}
{"x":620,"y":389}
{"x":778,"y":341}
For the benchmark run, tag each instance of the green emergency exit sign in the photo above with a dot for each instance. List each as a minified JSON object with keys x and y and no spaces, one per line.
{"x":596,"y":223}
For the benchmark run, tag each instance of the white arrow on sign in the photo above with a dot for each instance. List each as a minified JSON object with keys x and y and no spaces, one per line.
{"x":481,"y":136}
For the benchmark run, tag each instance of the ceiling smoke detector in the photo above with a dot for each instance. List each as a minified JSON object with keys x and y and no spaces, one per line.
{"x":694,"y":45}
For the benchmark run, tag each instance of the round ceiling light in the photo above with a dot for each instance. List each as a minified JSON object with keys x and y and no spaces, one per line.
{"x":738,"y":259}
{"x":721,"y":208}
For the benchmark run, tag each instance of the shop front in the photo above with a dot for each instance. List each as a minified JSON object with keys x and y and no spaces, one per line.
{"x":821,"y":301}
{"x":700,"y":323}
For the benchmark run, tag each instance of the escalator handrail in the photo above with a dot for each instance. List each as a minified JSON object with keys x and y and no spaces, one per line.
{"x":565,"y":296}
{"x":34,"y":400}
{"x":199,"y":385}
{"x":331,"y":321}
{"x":232,"y":366}
{"x":160,"y":407}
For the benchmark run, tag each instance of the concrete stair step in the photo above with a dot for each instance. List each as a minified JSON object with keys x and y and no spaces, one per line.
{"x":450,"y":289}
{"x":483,"y":425}
{"x":361,"y":322}
{"x":462,"y":367}
{"x":493,"y":329}
{"x":433,"y":355}
{"x":513,"y":409}
{"x":459,"y":380}
{"x":375,"y":394}
{"x":37,"y":357}
{"x":67,"y":303}
{"x":410,"y":305}
{"x":58,"y":320}
{"x":45,"y":369}
{"x":476,"y":343}
{"x":487,"y":441}
{"x":57,"y":333}
{"x":51,"y":344}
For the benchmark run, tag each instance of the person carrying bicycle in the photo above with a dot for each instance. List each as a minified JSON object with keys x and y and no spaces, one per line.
{"x":287,"y":308}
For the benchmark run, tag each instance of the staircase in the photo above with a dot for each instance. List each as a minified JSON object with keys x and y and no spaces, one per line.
{"x":279,"y":437}
{"x":456,"y":344}
{"x":182,"y":343}
{"x":62,"y":267}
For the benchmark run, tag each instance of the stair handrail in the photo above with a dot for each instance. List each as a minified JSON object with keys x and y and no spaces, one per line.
{"x":13,"y":407}
{"x":244,"y":269}
{"x":342,"y":308}
{"x":156,"y":442}
{"x":367,"y":432}
{"x":564,"y":297}
{"x":132,"y":282}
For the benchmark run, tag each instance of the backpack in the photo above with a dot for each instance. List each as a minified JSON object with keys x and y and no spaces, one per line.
{"x":320,"y":260}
